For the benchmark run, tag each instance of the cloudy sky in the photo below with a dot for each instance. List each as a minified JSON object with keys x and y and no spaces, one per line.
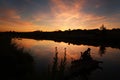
{"x":50,"y":15}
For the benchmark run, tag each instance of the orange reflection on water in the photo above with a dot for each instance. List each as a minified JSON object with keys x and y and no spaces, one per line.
{"x":44,"y":55}
{"x":46,"y":48}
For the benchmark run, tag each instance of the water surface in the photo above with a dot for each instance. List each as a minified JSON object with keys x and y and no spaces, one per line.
{"x":43,"y":53}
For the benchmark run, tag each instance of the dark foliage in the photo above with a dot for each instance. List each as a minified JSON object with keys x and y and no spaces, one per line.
{"x":14,"y":64}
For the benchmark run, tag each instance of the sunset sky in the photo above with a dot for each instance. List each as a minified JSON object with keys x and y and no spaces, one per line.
{"x":51,"y":15}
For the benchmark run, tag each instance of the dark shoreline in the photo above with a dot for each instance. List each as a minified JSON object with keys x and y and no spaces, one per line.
{"x":107,"y":38}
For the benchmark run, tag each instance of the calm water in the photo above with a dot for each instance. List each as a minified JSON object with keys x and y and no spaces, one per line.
{"x":43,"y":53}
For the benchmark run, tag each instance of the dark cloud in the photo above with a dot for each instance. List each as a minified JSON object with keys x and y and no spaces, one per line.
{"x":97,"y":7}
{"x":26,"y":7}
{"x":102,"y":7}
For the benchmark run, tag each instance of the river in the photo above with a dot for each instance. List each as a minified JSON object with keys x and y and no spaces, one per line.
{"x":44,"y":54}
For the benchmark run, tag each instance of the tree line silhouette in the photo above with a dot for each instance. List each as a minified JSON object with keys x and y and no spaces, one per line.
{"x":96,"y":37}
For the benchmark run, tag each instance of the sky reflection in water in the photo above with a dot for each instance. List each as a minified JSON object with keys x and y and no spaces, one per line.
{"x":43,"y":52}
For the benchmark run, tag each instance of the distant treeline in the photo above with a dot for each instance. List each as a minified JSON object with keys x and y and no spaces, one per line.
{"x":94,"y":36}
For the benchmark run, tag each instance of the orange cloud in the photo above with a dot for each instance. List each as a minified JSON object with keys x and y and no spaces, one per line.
{"x":40,"y":16}
{"x":70,"y":15}
{"x":67,"y":14}
{"x":15,"y":21}
{"x":64,"y":11}
{"x":10,"y":20}
{"x":10,"y":13}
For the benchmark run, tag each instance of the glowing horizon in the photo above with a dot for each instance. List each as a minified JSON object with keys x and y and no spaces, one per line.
{"x":52,"y":15}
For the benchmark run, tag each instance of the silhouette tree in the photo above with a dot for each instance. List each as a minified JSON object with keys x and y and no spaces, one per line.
{"x":102,"y":27}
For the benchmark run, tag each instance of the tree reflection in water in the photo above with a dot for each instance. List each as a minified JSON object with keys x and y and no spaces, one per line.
{"x":102,"y":50}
